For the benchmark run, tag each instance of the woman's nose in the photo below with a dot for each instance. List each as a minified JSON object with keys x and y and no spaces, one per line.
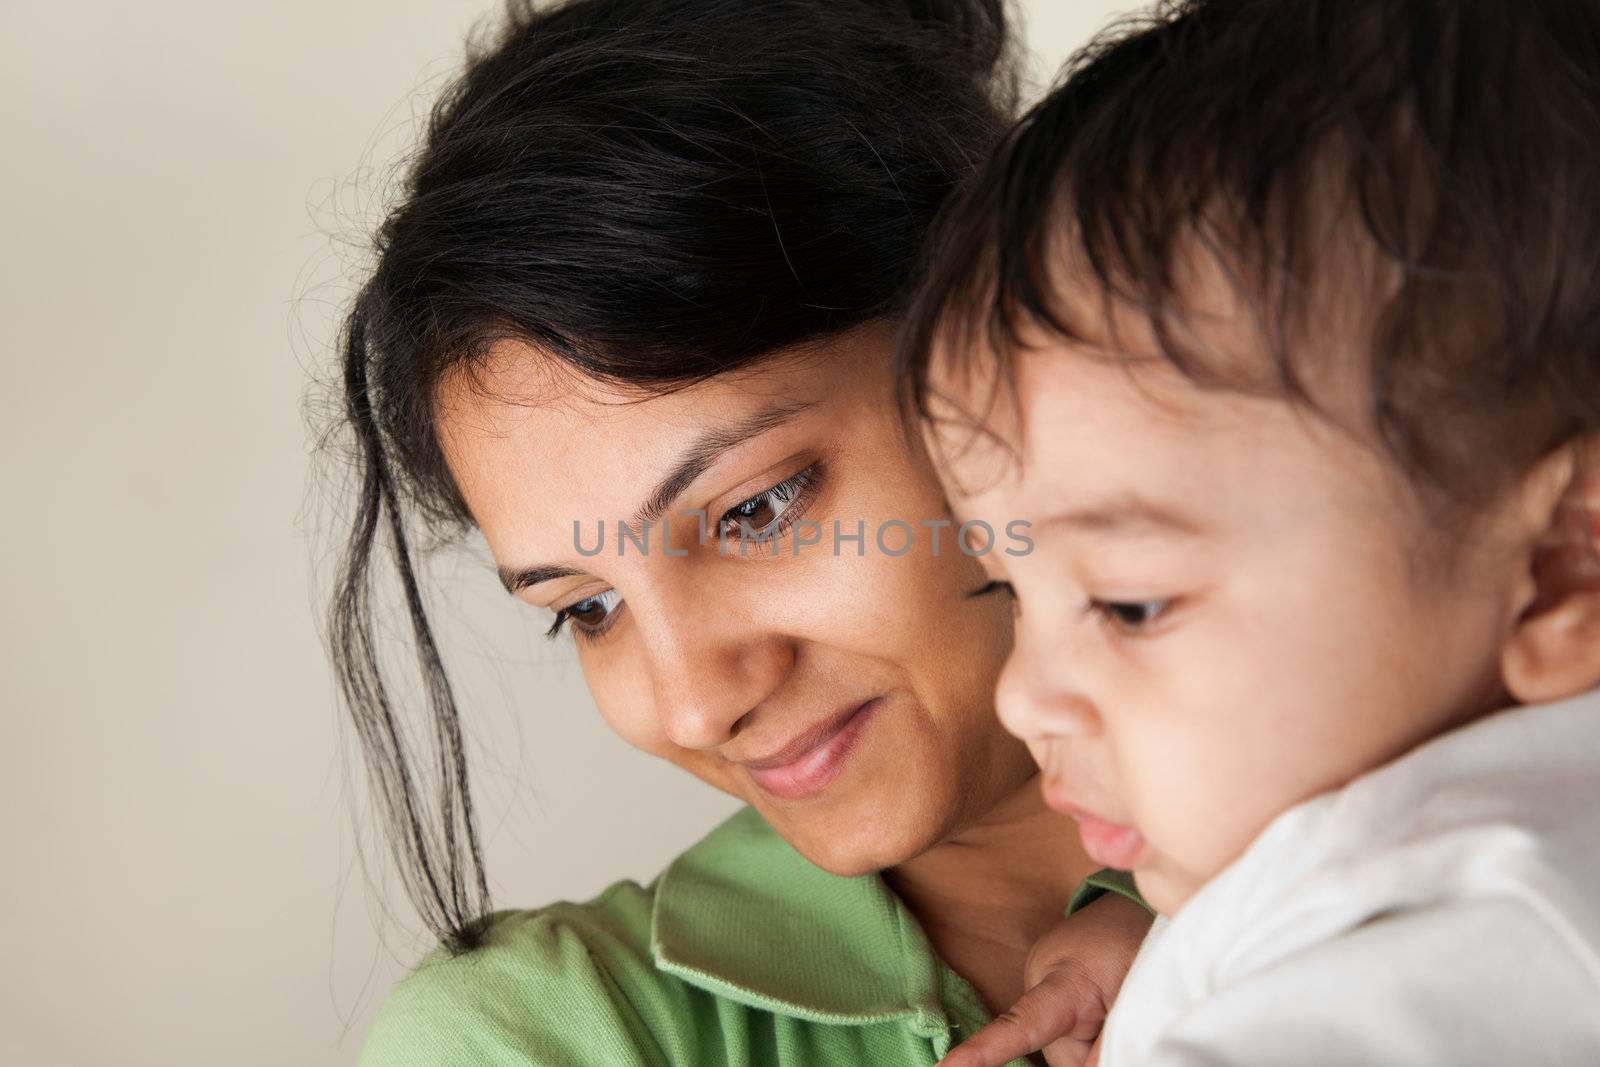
{"x":709,"y":670}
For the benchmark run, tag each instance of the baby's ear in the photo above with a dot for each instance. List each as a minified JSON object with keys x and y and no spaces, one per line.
{"x":1553,"y":651}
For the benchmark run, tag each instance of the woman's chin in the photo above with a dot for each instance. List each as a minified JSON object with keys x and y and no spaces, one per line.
{"x":894,"y":794}
{"x":859,"y":835}
{"x":849,"y":851}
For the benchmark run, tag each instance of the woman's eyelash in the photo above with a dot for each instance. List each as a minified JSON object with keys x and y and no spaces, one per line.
{"x":794,"y":492}
{"x":555,"y":627}
{"x":586,"y":632}
{"x":992,"y":587}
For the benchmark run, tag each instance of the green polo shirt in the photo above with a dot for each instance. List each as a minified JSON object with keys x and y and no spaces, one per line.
{"x":741,"y":952}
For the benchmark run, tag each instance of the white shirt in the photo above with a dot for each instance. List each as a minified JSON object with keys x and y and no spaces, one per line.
{"x":1441,"y":910}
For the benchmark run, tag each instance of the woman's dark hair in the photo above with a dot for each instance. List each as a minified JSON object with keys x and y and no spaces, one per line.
{"x":652,"y":192}
{"x":1436,"y":162}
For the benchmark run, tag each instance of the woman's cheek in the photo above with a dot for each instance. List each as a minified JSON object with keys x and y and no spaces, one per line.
{"x":638,"y":729}
{"x":623,"y":698}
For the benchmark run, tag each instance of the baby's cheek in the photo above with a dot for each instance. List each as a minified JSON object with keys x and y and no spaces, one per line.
{"x":1187,"y":842}
{"x":1203,"y":839}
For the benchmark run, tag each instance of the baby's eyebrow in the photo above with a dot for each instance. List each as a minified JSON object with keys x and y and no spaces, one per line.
{"x":1126,"y":513}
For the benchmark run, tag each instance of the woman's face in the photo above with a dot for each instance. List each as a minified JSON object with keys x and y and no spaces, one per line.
{"x":841,"y":685}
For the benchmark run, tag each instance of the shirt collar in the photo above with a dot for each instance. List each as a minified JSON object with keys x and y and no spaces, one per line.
{"x":745,"y":916}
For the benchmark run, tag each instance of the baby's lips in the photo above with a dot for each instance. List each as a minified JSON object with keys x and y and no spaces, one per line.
{"x":1110,"y":844}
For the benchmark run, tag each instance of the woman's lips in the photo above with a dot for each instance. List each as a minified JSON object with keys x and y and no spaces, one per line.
{"x":805,"y":766}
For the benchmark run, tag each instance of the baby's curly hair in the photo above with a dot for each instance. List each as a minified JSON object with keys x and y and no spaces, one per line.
{"x":1438,"y":159}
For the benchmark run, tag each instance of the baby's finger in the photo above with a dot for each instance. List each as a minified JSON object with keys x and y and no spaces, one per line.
{"x":1067,"y":1052}
{"x":1044,"y":1013}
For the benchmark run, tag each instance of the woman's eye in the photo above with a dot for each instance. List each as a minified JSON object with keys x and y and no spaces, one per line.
{"x":770,"y":511}
{"x":993,"y":587}
{"x":590,"y":616}
{"x":1131,"y":616}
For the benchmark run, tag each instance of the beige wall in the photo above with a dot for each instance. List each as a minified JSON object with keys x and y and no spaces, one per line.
{"x":181,"y":877}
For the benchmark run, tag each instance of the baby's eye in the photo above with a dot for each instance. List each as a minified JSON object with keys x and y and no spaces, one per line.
{"x":1130,"y":616}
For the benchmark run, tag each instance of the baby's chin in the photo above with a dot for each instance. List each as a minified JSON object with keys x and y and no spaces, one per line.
{"x":1163,"y":887}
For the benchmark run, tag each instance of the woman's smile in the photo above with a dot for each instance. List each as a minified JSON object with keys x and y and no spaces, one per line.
{"x":804,"y":767}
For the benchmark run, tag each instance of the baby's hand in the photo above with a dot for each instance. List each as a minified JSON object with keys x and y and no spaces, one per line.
{"x":1072,"y":976}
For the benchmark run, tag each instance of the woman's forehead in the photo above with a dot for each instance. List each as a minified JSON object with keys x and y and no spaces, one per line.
{"x":514,"y":377}
{"x":528,"y":397}
{"x":533,"y":443}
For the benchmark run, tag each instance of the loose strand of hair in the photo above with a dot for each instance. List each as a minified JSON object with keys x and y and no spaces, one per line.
{"x":449,"y":890}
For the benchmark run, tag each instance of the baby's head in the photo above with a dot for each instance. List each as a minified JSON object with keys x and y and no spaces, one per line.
{"x":1280,"y":323}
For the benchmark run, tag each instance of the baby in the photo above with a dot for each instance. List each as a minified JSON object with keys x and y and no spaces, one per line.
{"x":1279,"y":323}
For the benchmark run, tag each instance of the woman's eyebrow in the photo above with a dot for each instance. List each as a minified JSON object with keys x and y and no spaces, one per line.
{"x":516,"y":579}
{"x":702,"y":452}
{"x":706,"y":449}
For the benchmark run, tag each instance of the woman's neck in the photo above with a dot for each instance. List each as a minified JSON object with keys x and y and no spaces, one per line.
{"x":986,"y":894}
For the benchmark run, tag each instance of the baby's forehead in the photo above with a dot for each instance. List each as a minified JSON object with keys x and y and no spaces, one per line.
{"x":1087,"y":431}
{"x":1215,"y":335}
